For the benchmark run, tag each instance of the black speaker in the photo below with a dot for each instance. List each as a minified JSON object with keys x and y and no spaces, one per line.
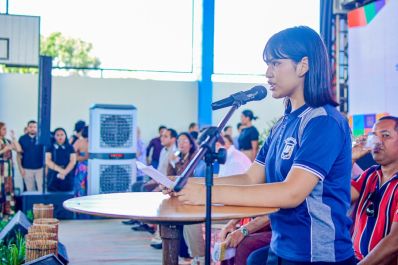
{"x":46,"y":260}
{"x":62,"y":254}
{"x":44,"y":111}
{"x":56,"y":198}
{"x":18,"y":224}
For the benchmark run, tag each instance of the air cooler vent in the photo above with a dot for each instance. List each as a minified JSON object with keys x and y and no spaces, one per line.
{"x":115,"y":178}
{"x":116,"y":130}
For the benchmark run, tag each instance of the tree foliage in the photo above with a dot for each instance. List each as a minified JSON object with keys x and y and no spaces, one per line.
{"x":66,"y":52}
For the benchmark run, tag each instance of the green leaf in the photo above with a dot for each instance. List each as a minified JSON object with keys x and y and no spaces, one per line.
{"x":266,"y":131}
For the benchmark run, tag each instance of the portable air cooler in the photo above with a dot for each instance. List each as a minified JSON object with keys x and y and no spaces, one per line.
{"x":112,"y":148}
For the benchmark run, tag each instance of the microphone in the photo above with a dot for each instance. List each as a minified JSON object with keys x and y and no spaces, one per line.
{"x":254,"y":94}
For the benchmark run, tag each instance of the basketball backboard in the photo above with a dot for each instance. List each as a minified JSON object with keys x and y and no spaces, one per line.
{"x":19,"y":40}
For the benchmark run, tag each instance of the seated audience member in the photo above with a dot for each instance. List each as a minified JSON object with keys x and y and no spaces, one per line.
{"x":236,"y":163}
{"x":156,"y":145}
{"x":7,"y":200}
{"x":169,"y":143}
{"x":77,"y":133}
{"x":375,"y":191}
{"x":81,"y":149}
{"x":60,"y":160}
{"x":246,"y":238}
{"x":30,"y":159}
{"x":188,"y":148}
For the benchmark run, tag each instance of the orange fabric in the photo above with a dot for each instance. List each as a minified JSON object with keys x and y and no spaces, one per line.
{"x":356,"y":18}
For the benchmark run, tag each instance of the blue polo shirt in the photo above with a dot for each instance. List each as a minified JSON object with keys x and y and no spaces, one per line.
{"x":32,"y":155}
{"x":317,"y":140}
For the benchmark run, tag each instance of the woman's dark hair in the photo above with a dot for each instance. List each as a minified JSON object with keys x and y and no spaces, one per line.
{"x":191,"y":141}
{"x":85,"y":132}
{"x":248,"y":113}
{"x":53,"y":141}
{"x":295,"y":44}
{"x":79,"y":126}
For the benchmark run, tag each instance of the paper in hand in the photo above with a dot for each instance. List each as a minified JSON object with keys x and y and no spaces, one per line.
{"x":155,"y":175}
{"x":221,"y":252}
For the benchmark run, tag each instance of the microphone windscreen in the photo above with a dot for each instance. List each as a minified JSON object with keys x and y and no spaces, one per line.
{"x":260,"y":92}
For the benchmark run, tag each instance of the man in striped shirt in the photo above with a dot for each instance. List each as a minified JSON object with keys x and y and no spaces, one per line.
{"x":375,"y":191}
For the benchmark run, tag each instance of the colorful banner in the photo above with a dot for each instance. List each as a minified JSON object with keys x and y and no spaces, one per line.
{"x":363,"y":123}
{"x":364,"y":15}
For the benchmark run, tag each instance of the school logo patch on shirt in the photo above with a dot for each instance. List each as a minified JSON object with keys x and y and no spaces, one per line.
{"x":287,"y":152}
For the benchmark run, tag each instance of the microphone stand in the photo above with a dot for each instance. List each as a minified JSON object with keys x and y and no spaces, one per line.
{"x":207,"y":150}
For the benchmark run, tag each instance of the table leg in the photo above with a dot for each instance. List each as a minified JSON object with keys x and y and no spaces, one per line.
{"x":171,"y":244}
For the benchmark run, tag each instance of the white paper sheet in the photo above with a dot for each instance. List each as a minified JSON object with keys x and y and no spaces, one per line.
{"x":155,"y":175}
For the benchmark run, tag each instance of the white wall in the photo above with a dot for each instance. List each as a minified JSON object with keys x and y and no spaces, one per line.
{"x":172,"y":103}
{"x":158,"y":102}
{"x":266,"y":109}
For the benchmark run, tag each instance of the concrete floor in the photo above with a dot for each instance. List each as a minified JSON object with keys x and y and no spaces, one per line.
{"x":90,"y":242}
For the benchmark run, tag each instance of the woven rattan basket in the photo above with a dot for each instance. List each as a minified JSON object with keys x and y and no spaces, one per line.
{"x":43,"y":210}
{"x":39,"y":248}
{"x":41,"y":236}
{"x":47,"y":221}
{"x":39,"y":228}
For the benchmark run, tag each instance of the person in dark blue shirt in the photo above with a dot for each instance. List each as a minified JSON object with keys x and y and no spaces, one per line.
{"x":156,"y":145}
{"x":305,"y":163}
{"x":248,"y":137}
{"x":30,"y":159}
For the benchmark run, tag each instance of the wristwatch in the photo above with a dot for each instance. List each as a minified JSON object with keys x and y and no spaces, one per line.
{"x":244,"y":231}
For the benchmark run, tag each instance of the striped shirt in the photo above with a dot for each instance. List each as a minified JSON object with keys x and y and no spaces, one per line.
{"x":370,"y":229}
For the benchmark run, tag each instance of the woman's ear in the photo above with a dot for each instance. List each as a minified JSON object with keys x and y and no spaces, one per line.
{"x":302,"y":67}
